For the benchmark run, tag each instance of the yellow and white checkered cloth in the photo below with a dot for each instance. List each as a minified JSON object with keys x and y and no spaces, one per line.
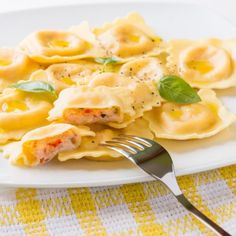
{"x":135,"y":209}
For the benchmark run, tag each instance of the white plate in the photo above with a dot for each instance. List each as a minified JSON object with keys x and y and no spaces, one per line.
{"x":170,"y":21}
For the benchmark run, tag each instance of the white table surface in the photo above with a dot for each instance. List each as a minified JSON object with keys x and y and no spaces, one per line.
{"x":224,"y":7}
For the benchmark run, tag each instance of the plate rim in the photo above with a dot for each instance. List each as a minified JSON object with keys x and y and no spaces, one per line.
{"x":113,"y":182}
{"x":126,"y":180}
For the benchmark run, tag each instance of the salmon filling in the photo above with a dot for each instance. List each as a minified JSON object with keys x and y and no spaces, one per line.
{"x":90,"y":116}
{"x":46,"y":149}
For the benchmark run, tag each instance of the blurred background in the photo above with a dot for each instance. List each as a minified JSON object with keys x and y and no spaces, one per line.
{"x":224,"y":7}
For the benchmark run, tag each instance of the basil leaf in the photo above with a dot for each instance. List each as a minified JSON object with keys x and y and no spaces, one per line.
{"x":174,"y":89}
{"x":107,"y":60}
{"x":35,"y":87}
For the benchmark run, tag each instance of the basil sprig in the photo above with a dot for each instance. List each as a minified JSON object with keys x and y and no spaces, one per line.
{"x":107,"y":60}
{"x":174,"y":89}
{"x":35,"y":87}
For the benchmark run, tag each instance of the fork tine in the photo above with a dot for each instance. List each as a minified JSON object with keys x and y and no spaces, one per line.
{"x":117,"y":149}
{"x":132,"y":137}
{"x":123,"y":145}
{"x":133,"y":143}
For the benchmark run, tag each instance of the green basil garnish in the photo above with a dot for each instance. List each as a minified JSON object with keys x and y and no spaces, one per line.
{"x":35,"y":87}
{"x":174,"y":89}
{"x":107,"y":60}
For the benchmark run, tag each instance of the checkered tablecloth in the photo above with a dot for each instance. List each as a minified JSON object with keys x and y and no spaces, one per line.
{"x":134,"y":209}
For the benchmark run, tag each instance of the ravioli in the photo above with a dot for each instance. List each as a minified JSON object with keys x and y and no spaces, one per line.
{"x":110,"y":79}
{"x":51,"y":46}
{"x":140,"y":127}
{"x":14,"y":66}
{"x":104,"y":82}
{"x":41,"y":145}
{"x":144,"y":93}
{"x":128,"y":37}
{"x":191,"y":121}
{"x":20,"y":112}
{"x":87,"y":105}
{"x":64,"y":75}
{"x":10,"y":135}
{"x":144,"y":69}
{"x":206,"y":63}
{"x":90,"y":148}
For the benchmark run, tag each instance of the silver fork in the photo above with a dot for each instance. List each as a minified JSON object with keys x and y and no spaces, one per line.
{"x":152,"y":158}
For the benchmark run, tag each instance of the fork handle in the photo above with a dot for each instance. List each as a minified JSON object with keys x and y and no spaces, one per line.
{"x":204,"y":219}
{"x":170,"y":181}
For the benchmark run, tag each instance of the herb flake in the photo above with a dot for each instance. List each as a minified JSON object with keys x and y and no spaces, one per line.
{"x":107,"y":60}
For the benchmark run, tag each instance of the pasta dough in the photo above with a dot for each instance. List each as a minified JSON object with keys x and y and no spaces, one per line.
{"x":90,"y":148}
{"x":128,"y":37}
{"x":61,"y":46}
{"x":86,"y":105}
{"x":205,"y":63}
{"x":65,"y":75}
{"x":15,"y":106}
{"x":144,"y":69}
{"x":191,"y":121}
{"x":14,"y":66}
{"x":105,"y":81}
{"x":144,"y":93}
{"x":41,"y":145}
